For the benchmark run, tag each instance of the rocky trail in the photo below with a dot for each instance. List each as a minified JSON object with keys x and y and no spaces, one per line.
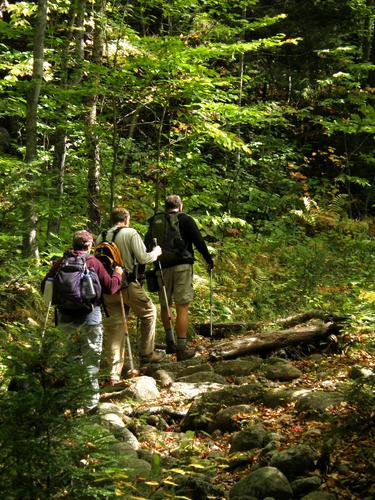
{"x":291,"y":421}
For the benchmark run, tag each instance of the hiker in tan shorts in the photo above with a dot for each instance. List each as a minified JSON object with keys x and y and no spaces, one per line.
{"x":176,"y":232}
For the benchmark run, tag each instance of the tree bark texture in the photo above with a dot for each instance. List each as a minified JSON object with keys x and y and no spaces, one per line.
{"x":264,"y":342}
{"x":74,"y":34}
{"x":29,"y":247}
{"x":93,"y":185}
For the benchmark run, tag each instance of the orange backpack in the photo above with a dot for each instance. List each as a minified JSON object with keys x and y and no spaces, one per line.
{"x":108,"y":252}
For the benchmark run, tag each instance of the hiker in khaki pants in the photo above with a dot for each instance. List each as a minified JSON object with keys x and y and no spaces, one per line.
{"x":133,"y":252}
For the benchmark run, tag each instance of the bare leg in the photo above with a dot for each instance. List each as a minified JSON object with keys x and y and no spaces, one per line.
{"x":182,"y":320}
{"x":182,"y":323}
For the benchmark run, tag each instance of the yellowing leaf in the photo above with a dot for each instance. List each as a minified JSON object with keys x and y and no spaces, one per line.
{"x":370,"y":296}
{"x":178,"y":471}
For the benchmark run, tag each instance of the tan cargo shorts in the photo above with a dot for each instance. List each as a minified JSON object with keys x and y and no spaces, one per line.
{"x":178,"y":283}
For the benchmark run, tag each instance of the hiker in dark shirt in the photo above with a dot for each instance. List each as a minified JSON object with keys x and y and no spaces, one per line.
{"x":178,"y":276}
{"x":88,"y":323}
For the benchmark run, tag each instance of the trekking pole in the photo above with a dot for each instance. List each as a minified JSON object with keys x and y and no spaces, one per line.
{"x":47,"y":298}
{"x":132,"y":371}
{"x":137,"y":327}
{"x":45,"y":326}
{"x":154,"y":241}
{"x":211,"y":302}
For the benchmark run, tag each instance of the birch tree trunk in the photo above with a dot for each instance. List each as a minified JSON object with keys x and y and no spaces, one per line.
{"x":29,"y":244}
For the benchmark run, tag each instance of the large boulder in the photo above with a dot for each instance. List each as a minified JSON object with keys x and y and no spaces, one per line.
{"x":247,"y":439}
{"x":295,"y":461}
{"x":230,"y":419}
{"x":319,"y":401}
{"x":263,"y":482}
{"x":203,"y":409}
{"x":238,"y":367}
{"x":142,"y":389}
{"x":280,"y":369}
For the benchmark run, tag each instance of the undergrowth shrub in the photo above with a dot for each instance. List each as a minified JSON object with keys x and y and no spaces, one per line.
{"x":280,"y":273}
{"x":49,"y":448}
{"x":42,"y":391}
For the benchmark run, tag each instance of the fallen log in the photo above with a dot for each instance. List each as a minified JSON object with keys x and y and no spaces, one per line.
{"x":298,"y":319}
{"x":223,"y":330}
{"x":264,"y":342}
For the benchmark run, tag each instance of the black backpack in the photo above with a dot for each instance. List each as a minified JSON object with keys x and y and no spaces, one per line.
{"x":165,"y":228}
{"x":76,"y":287}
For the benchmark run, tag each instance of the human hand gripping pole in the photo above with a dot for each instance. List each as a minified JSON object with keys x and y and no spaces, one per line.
{"x":155,"y":243}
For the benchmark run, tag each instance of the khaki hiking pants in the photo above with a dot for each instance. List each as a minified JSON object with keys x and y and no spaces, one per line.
{"x":135,"y":298}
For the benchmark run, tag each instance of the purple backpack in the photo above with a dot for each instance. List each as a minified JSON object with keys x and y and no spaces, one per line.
{"x":76,"y":286}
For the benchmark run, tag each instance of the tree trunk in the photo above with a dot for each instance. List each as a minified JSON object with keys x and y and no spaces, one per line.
{"x":265,"y":342}
{"x":371,"y":42}
{"x":93,"y":185}
{"x":29,"y":247}
{"x":58,"y":172}
{"x":237,"y":171}
{"x":76,"y":32}
{"x":159,"y":179}
{"x":222,"y":330}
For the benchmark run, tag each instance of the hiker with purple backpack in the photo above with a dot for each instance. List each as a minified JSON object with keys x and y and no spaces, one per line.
{"x":77,"y":281}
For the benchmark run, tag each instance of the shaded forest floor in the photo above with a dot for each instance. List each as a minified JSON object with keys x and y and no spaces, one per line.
{"x":342,"y":435}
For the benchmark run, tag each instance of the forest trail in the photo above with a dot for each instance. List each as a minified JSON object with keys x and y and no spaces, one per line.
{"x":291,"y":412}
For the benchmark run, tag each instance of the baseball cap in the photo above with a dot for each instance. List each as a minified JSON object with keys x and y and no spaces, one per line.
{"x":82,"y":238}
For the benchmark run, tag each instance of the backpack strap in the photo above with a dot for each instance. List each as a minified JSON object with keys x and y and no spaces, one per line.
{"x":104,"y":234}
{"x":90,"y":258}
{"x":115,"y":233}
{"x":130,"y":276}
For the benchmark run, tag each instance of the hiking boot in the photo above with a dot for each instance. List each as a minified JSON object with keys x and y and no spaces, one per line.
{"x":154,"y":357}
{"x":184,"y":354}
{"x":171,"y":348}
